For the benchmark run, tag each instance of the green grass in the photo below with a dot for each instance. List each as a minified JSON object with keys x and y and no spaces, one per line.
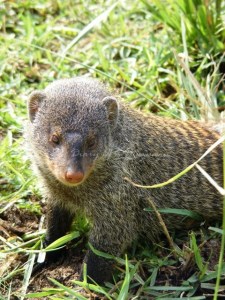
{"x":170,"y":66}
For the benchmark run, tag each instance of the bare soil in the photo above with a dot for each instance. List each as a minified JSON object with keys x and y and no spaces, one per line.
{"x":14,"y":223}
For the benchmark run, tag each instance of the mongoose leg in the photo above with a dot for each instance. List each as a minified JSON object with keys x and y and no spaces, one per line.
{"x":111,"y":240}
{"x":59,"y":221}
{"x":99,"y":269}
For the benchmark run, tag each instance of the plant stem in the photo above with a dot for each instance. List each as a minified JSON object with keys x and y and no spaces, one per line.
{"x":220,"y":265}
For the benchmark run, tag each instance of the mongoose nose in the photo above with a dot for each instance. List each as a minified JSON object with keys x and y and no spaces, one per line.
{"x":74,"y":176}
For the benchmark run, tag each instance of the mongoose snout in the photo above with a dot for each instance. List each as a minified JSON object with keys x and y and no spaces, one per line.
{"x":73,"y":176}
{"x":70,"y":160}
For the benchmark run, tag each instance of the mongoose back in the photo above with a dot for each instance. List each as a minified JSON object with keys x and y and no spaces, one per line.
{"x":84,"y":142}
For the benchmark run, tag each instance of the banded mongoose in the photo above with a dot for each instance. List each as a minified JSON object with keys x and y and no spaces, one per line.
{"x":84,"y":142}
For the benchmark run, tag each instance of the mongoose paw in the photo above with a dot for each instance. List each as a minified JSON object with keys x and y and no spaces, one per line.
{"x":99,"y":269}
{"x":55,"y":255}
{"x":38,"y":267}
{"x":51,"y":257}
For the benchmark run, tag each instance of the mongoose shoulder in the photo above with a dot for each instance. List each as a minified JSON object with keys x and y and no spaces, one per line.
{"x":84,"y":142}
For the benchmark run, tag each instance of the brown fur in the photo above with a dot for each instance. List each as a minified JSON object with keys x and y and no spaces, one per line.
{"x":105,"y":141}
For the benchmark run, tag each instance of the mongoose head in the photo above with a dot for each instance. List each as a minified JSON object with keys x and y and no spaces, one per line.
{"x":71,"y":123}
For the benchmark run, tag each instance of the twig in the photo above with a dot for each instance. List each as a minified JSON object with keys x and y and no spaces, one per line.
{"x":165,"y":230}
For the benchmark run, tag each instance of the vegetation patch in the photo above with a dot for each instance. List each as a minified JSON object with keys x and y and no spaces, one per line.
{"x":168,"y":66}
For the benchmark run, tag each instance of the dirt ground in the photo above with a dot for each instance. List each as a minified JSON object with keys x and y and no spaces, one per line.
{"x":15,"y":222}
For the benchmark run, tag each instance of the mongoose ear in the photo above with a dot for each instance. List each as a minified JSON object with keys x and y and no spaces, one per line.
{"x":34,"y":103}
{"x":112,"y":109}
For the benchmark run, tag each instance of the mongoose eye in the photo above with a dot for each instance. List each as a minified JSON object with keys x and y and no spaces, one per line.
{"x":55,"y":139}
{"x":91,"y":143}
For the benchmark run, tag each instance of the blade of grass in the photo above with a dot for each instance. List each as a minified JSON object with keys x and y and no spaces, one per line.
{"x":125,"y":287}
{"x":43,"y":294}
{"x":27,"y":274}
{"x":163,"y":225}
{"x":177,"y":211}
{"x":68,"y":290}
{"x":197,"y":254}
{"x":87,"y":28}
{"x":124,"y":292}
{"x":169,"y":288}
{"x":177,"y":176}
{"x":93,"y":287}
{"x":220,"y":266}
{"x":100,"y":253}
{"x":221,"y":231}
{"x":63,"y":240}
{"x":211,"y":180}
